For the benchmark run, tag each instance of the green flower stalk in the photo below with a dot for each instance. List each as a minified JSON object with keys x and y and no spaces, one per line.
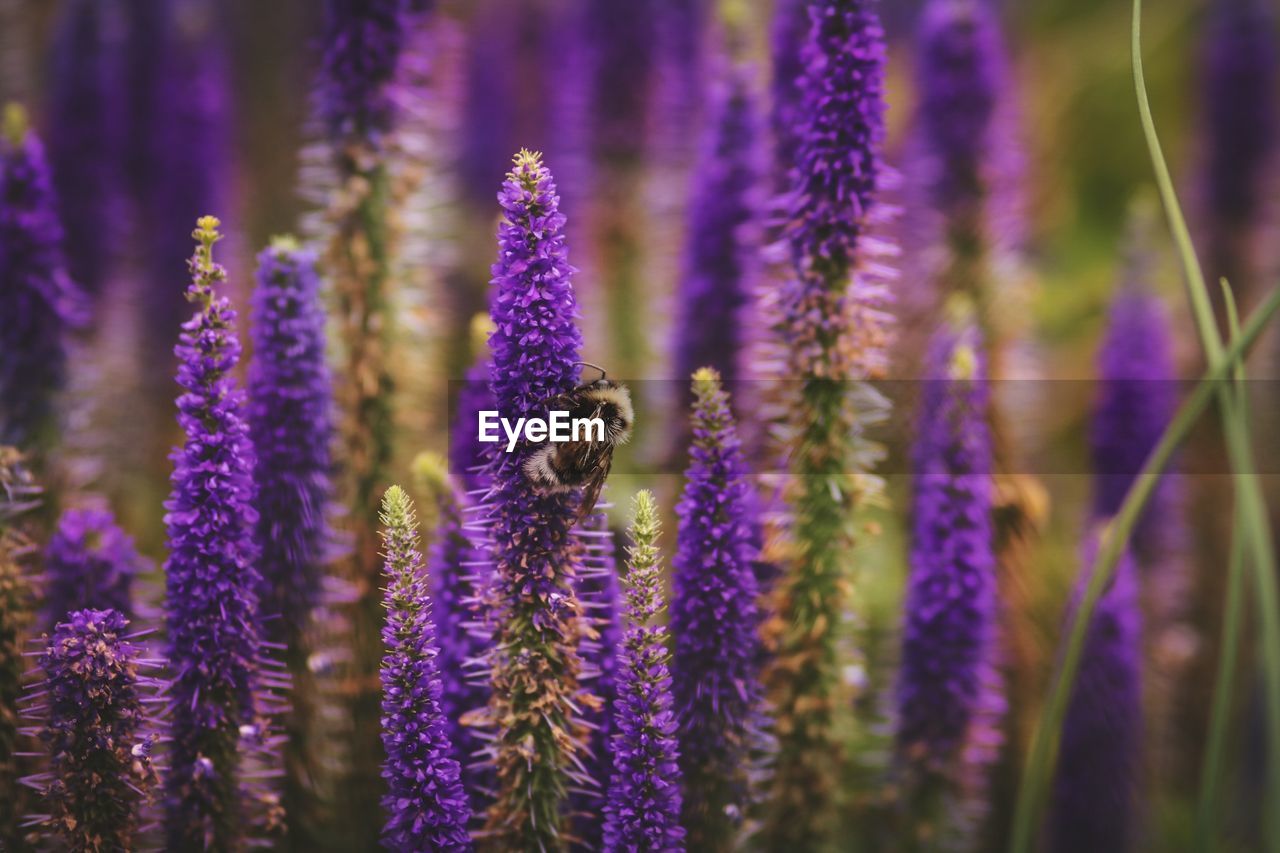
{"x":832,"y":323}
{"x":364,"y":46}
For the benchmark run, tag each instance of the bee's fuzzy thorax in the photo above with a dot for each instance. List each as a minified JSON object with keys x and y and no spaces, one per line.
{"x":619,"y":396}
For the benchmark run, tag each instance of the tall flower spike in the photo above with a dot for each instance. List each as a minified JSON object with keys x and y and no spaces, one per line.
{"x":1096,"y":780}
{"x":39,"y":301}
{"x":642,"y":809}
{"x":18,"y":494}
{"x":720,"y":256}
{"x":1241,"y":80}
{"x":946,"y":700}
{"x":832,"y":325}
{"x":535,"y":661}
{"x":425,"y":804}
{"x":364,"y":45}
{"x":85,"y":101}
{"x":788,"y":34}
{"x":715,"y":620}
{"x":89,"y":562}
{"x":959,"y":71}
{"x":93,"y":722}
{"x":289,"y":415}
{"x":211,"y":578}
{"x":289,"y":425}
{"x":453,"y":567}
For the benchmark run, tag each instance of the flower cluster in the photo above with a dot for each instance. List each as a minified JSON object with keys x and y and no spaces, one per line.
{"x":94,"y":723}
{"x":642,"y":810}
{"x":39,"y":301}
{"x":715,"y":620}
{"x":947,"y":699}
{"x":211,"y":576}
{"x":89,"y":562}
{"x":425,"y":804}
{"x":535,"y":663}
{"x":364,"y":40}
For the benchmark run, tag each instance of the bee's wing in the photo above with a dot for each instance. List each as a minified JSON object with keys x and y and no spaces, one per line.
{"x":591,"y":488}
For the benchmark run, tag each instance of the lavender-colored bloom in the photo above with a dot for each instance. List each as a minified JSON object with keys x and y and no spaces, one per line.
{"x":536,"y":666}
{"x":1099,"y":757}
{"x":642,"y":811}
{"x":959,"y":69}
{"x":950,"y":625}
{"x":715,"y":619}
{"x":840,"y":133}
{"x":289,"y":425}
{"x":1241,"y":78}
{"x":833,"y":329}
{"x":1137,"y":398}
{"x":621,"y":37}
{"x":95,"y":728}
{"x":39,"y":301}
{"x":467,"y":456}
{"x":84,"y":129}
{"x":425,"y":804}
{"x":721,"y":253}
{"x":364,"y":40}
{"x":788,"y":34}
{"x":187,"y":150}
{"x":89,"y":562}
{"x":211,"y":576}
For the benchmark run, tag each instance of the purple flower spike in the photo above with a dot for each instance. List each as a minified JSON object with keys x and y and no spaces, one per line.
{"x":89,"y":562}
{"x":1241,"y":79}
{"x":1137,"y":398}
{"x":290,"y":399}
{"x":425,"y":804}
{"x":715,"y":620}
{"x":789,"y":33}
{"x":946,"y":699}
{"x":363,"y":44}
{"x":39,"y":301}
{"x":642,"y":810}
{"x":85,"y":103}
{"x":211,"y":577}
{"x":1099,"y":759}
{"x":721,"y":255}
{"x":95,"y":727}
{"x":960,"y":72}
{"x":839,"y":137}
{"x":535,"y":663}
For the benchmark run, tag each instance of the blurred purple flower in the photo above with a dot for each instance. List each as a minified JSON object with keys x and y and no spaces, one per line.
{"x":186,"y":146}
{"x":89,"y":562}
{"x":642,"y":810}
{"x":85,"y":107}
{"x":721,"y":255}
{"x":93,"y":722}
{"x":1241,"y":80}
{"x":789,"y":33}
{"x":715,"y":620}
{"x":1137,"y":397}
{"x":960,"y":71}
{"x":1100,"y":754}
{"x":535,"y":663}
{"x":39,"y":300}
{"x":363,"y":40}
{"x":211,"y":576}
{"x":946,"y":699}
{"x":425,"y":804}
{"x":289,"y":415}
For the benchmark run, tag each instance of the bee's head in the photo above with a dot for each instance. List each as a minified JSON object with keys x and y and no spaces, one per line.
{"x":619,"y":414}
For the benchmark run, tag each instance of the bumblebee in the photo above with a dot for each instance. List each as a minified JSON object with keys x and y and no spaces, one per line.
{"x":556,"y":468}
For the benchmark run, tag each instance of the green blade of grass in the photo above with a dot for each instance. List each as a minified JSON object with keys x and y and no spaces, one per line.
{"x":1248,"y":491}
{"x":1229,"y":652}
{"x":1035,"y":780}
